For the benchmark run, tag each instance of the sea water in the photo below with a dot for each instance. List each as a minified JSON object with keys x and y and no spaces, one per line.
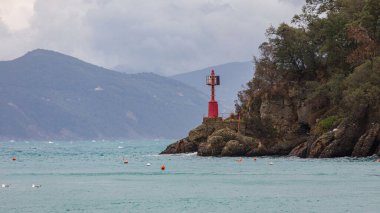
{"x":90,"y":176}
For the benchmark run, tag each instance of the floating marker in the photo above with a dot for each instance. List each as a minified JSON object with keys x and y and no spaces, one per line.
{"x":163,"y":167}
{"x":254,"y":158}
{"x":125,"y":161}
{"x":36,"y":186}
{"x":148,"y":164}
{"x":14,"y":158}
{"x":5,"y":185}
{"x":270,"y":163}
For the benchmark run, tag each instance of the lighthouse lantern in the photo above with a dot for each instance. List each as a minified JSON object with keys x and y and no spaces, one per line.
{"x":209,"y":80}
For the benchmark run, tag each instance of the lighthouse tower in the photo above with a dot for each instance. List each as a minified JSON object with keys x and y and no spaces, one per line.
{"x":213,"y":80}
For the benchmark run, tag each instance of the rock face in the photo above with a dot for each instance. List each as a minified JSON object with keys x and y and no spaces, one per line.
{"x":190,"y":143}
{"x":342,"y":141}
{"x":368,"y":143}
{"x":345,"y":140}
{"x":295,"y":131}
{"x":221,"y":142}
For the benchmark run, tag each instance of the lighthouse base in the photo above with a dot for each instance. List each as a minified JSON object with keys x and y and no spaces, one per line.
{"x":212,"y":109}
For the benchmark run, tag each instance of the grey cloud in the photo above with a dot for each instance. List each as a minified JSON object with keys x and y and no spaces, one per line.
{"x":160,"y":36}
{"x":294,"y":2}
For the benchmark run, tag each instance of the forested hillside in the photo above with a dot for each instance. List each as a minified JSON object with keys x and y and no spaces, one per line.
{"x":317,"y":82}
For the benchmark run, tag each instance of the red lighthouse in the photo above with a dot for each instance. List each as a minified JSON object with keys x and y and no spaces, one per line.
{"x":213,"y":80}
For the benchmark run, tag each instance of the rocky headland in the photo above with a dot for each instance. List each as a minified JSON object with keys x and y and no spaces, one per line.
{"x":286,"y":125}
{"x":315,"y":92}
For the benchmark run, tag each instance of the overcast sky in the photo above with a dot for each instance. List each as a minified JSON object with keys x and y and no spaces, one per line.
{"x":162,"y":36}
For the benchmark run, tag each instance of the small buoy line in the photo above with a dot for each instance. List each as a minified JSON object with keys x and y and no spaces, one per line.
{"x":241,"y":159}
{"x":6,"y":185}
{"x":125,"y":161}
{"x":270,"y":163}
{"x":255,"y":159}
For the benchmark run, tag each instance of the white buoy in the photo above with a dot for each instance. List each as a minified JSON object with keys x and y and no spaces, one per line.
{"x":50,"y":142}
{"x":5,"y":185}
{"x":148,"y":164}
{"x":36,"y":186}
{"x":270,"y":163}
{"x":119,"y":147}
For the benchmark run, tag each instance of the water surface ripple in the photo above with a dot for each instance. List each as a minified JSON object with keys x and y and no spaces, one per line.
{"x":89,"y":176}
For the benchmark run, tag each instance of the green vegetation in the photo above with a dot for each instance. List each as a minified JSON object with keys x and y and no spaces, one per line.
{"x":327,"y":123}
{"x":331,"y":52}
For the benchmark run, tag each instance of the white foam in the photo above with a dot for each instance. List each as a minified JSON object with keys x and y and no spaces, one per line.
{"x":5,"y":185}
{"x":36,"y":186}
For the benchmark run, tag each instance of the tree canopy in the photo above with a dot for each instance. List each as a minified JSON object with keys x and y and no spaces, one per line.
{"x":331,"y":48}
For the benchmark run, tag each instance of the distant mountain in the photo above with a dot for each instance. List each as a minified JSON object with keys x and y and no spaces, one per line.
{"x":233,"y":76}
{"x":48,"y":95}
{"x":123,"y":68}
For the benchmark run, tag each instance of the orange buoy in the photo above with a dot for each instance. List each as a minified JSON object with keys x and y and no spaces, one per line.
{"x":254,"y":158}
{"x":163,"y":167}
{"x":14,"y":158}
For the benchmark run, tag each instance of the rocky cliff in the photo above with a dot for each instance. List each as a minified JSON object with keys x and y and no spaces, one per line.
{"x":315,"y":92}
{"x":294,"y":124}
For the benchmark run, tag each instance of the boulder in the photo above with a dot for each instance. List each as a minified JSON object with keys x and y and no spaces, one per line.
{"x":227,"y":134}
{"x":259,"y":150}
{"x":204,"y":149}
{"x":368,"y":142}
{"x":320,"y":144}
{"x":182,"y":146}
{"x":200,"y":134}
{"x":234,"y":148}
{"x":344,"y":141}
{"x":217,"y":143}
{"x":299,"y":151}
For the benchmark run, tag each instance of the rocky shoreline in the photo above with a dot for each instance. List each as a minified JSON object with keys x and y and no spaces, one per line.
{"x":344,"y":140}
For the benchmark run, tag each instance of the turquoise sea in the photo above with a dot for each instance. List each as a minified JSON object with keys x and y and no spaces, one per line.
{"x":89,"y":176}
